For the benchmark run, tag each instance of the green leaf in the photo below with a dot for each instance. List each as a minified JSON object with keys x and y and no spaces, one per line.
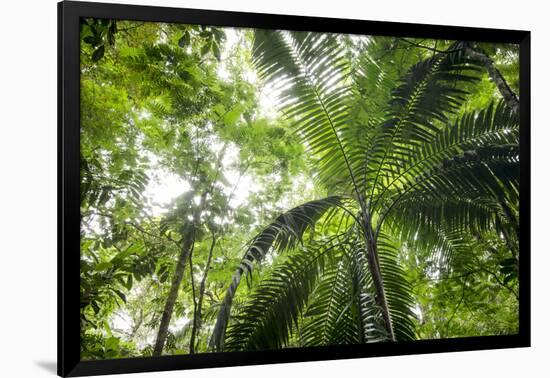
{"x":103,"y":266}
{"x":509,"y":261}
{"x":111,"y":33}
{"x":507,"y":269}
{"x":184,"y":40}
{"x":107,"y":328}
{"x":98,"y":53}
{"x":95,"y":307}
{"x":112,"y":343}
{"x":216,"y":51}
{"x":120,"y":258}
{"x":91,"y":40}
{"x":232,"y":116}
{"x":120,"y":294}
{"x":205,"y":49}
{"x":129,"y":282}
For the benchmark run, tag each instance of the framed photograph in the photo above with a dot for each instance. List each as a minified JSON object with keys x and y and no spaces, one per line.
{"x":239,"y":188}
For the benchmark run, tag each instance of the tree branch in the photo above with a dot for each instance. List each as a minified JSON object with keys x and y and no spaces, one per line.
{"x":434,"y":49}
{"x":507,"y":93}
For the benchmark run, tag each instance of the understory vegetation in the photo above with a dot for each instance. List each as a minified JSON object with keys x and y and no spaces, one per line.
{"x":257,"y":189}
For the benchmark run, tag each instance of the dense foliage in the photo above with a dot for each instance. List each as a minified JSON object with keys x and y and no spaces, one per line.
{"x":250,"y":189}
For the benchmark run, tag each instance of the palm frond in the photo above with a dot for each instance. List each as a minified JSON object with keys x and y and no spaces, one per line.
{"x":490,"y":131}
{"x":313,"y":76}
{"x":272,"y":313}
{"x":428,"y":94}
{"x":284,"y":233}
{"x":487,"y":173}
{"x":474,"y":171}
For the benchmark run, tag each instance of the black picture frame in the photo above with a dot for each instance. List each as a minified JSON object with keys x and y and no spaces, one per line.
{"x":69,"y":13}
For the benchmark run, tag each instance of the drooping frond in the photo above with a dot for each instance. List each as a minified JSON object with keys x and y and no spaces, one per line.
{"x":465,"y":213}
{"x":284,"y":233}
{"x":271,"y":315}
{"x":371,"y":320}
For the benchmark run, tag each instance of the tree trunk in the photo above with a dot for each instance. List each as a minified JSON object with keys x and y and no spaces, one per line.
{"x":509,"y":96}
{"x":188,"y":242}
{"x":197,"y":316}
{"x":195,"y":304}
{"x":374,"y":268}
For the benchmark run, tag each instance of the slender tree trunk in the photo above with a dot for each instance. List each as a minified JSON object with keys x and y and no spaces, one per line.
{"x":188,"y":242}
{"x":507,"y":93}
{"x":187,"y":248}
{"x":195,"y":304}
{"x":197,"y":316}
{"x":374,"y":268}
